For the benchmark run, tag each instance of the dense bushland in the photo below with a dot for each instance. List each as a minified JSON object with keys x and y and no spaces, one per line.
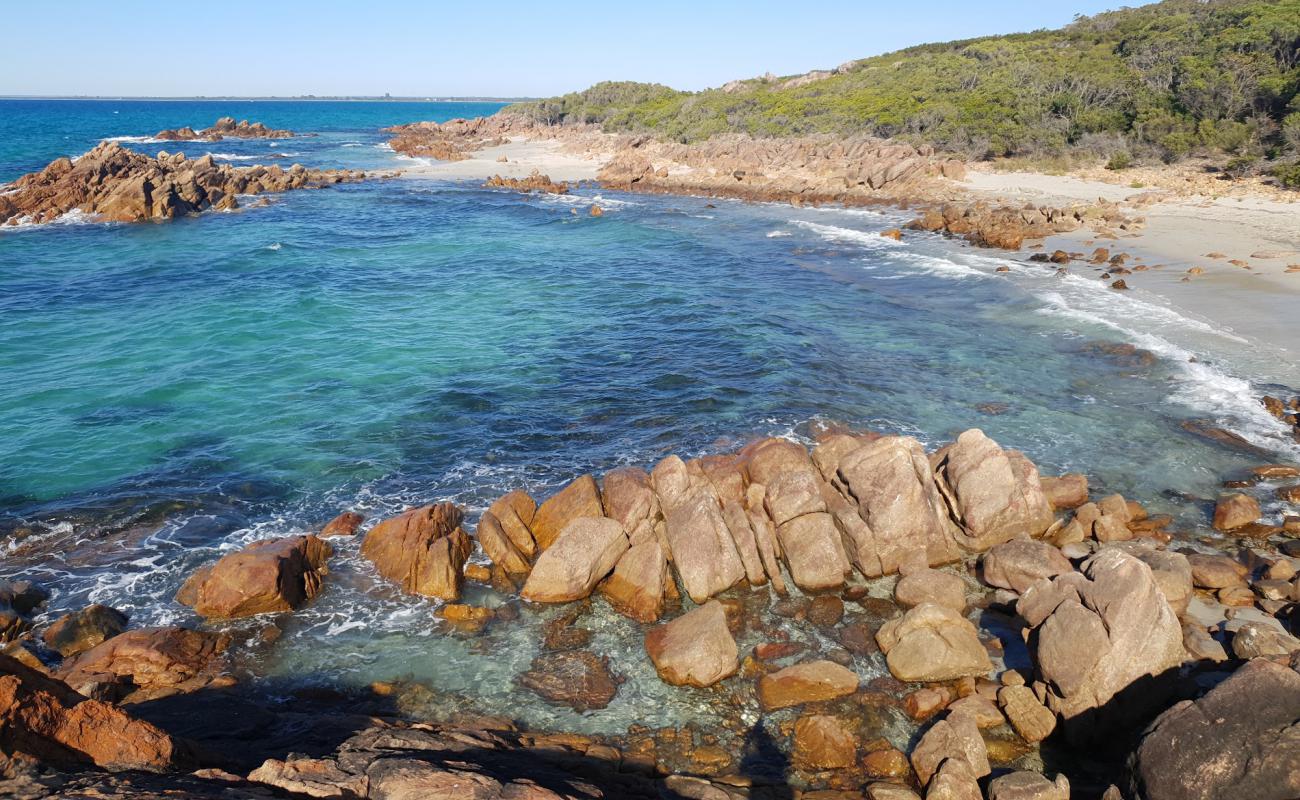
{"x":1161,"y":81}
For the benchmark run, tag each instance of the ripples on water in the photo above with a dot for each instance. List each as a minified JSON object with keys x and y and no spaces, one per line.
{"x":175,"y":391}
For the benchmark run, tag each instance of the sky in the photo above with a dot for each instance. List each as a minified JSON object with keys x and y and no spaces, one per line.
{"x":501,"y":48}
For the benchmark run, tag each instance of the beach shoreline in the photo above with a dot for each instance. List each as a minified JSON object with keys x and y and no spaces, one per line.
{"x":1172,"y":248}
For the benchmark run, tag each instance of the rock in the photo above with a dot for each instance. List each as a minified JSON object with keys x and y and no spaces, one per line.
{"x":823,"y":742}
{"x":826,"y":611}
{"x":23,"y":597}
{"x":147,"y":663}
{"x":344,"y":524}
{"x":1098,"y":633}
{"x":313,"y":777}
{"x":886,"y":762}
{"x":925,"y":703}
{"x":1020,"y":563}
{"x":1029,"y":786}
{"x":581,"y":498}
{"x":1238,"y":741}
{"x":514,"y":511}
{"x":814,"y":552}
{"x":81,"y":630}
{"x":44,"y":719}
{"x":1066,"y":492}
{"x":898,"y":500}
{"x":996,"y":494}
{"x":423,"y":550}
{"x":626,"y":496}
{"x":954,"y":738}
{"x":890,"y":791}
{"x":953,"y":781}
{"x":575,"y":678}
{"x":1216,"y":572}
{"x":792,"y":494}
{"x":1254,"y":640}
{"x":738,"y":524}
{"x":1030,"y":718}
{"x":979,"y":708}
{"x":535,"y":182}
{"x":696,"y":649}
{"x":805,"y":683}
{"x":931,"y":586}
{"x":636,"y":589}
{"x":1201,"y":646}
{"x":117,"y":185}
{"x":265,"y":577}
{"x":932,"y":643}
{"x":1173,"y":574}
{"x":1235,"y":511}
{"x":580,"y":557}
{"x":703,"y":551}
{"x":225,"y":127}
{"x":498,"y":546}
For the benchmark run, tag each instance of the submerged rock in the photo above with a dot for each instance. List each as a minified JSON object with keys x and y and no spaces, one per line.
{"x":805,"y":683}
{"x":576,"y":678}
{"x":269,"y":576}
{"x":424,"y":550}
{"x":823,"y":742}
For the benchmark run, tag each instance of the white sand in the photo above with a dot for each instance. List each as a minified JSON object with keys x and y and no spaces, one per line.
{"x":1262,"y":302}
{"x":523,"y":156}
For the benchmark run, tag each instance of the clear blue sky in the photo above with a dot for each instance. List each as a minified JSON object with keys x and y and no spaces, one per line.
{"x":492,"y":47}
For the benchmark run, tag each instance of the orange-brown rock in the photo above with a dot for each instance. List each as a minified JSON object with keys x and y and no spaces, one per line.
{"x":423,"y":550}
{"x":535,"y":182}
{"x":1235,"y":511}
{"x":581,"y":498}
{"x":805,"y":683}
{"x":823,"y":742}
{"x":222,"y":128}
{"x":265,"y":577}
{"x":147,"y":663}
{"x":117,"y":185}
{"x":636,"y":588}
{"x":1066,"y":492}
{"x":453,"y":140}
{"x":344,"y":524}
{"x":43,"y":718}
{"x":696,"y":649}
{"x":81,"y":630}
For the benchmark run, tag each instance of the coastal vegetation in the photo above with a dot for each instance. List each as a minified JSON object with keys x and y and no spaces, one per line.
{"x":1163,"y":81}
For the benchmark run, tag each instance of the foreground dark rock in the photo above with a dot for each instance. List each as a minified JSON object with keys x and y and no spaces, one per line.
{"x":117,"y":185}
{"x":1240,"y":740}
{"x":148,"y":663}
{"x":42,"y":718}
{"x":222,"y":128}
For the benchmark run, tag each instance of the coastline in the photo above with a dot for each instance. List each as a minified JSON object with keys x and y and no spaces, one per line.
{"x":1178,"y":233}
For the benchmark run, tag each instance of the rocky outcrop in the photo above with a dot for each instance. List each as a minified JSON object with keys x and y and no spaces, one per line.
{"x":273,"y":575}
{"x":42,"y":718}
{"x":223,"y":128}
{"x":423,"y":550}
{"x":932,"y":643}
{"x":695,"y":649}
{"x":147,"y":664}
{"x":1019,"y":564}
{"x":114,"y":184}
{"x":1098,"y":633}
{"x":995,"y":494}
{"x":1242,"y":739}
{"x":535,"y":182}
{"x":455,"y":139}
{"x":584,"y":553}
{"x":1009,"y":227}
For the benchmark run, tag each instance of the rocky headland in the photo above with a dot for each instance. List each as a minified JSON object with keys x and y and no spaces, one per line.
{"x":226,"y":127}
{"x":114,"y":184}
{"x":1036,"y":640}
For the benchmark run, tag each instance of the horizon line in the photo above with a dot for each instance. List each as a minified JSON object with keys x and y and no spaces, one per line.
{"x":300,"y":98}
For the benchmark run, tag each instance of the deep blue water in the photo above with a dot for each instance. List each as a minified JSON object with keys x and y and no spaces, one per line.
{"x":174,"y":389}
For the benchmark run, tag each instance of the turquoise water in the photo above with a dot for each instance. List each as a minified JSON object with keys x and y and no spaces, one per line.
{"x":173,"y":390}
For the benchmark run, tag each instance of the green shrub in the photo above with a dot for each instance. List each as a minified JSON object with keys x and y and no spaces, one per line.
{"x":1287,"y":175}
{"x":1120,"y":160}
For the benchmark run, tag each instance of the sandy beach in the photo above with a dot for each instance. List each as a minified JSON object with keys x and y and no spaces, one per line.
{"x":522,"y":157}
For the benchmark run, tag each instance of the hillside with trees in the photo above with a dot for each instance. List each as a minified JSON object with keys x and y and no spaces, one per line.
{"x":1162,"y":81}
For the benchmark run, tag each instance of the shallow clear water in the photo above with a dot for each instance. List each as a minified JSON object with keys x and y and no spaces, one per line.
{"x":174,"y":390}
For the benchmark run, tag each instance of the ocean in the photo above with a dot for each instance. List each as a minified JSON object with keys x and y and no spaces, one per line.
{"x":173,"y":391}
